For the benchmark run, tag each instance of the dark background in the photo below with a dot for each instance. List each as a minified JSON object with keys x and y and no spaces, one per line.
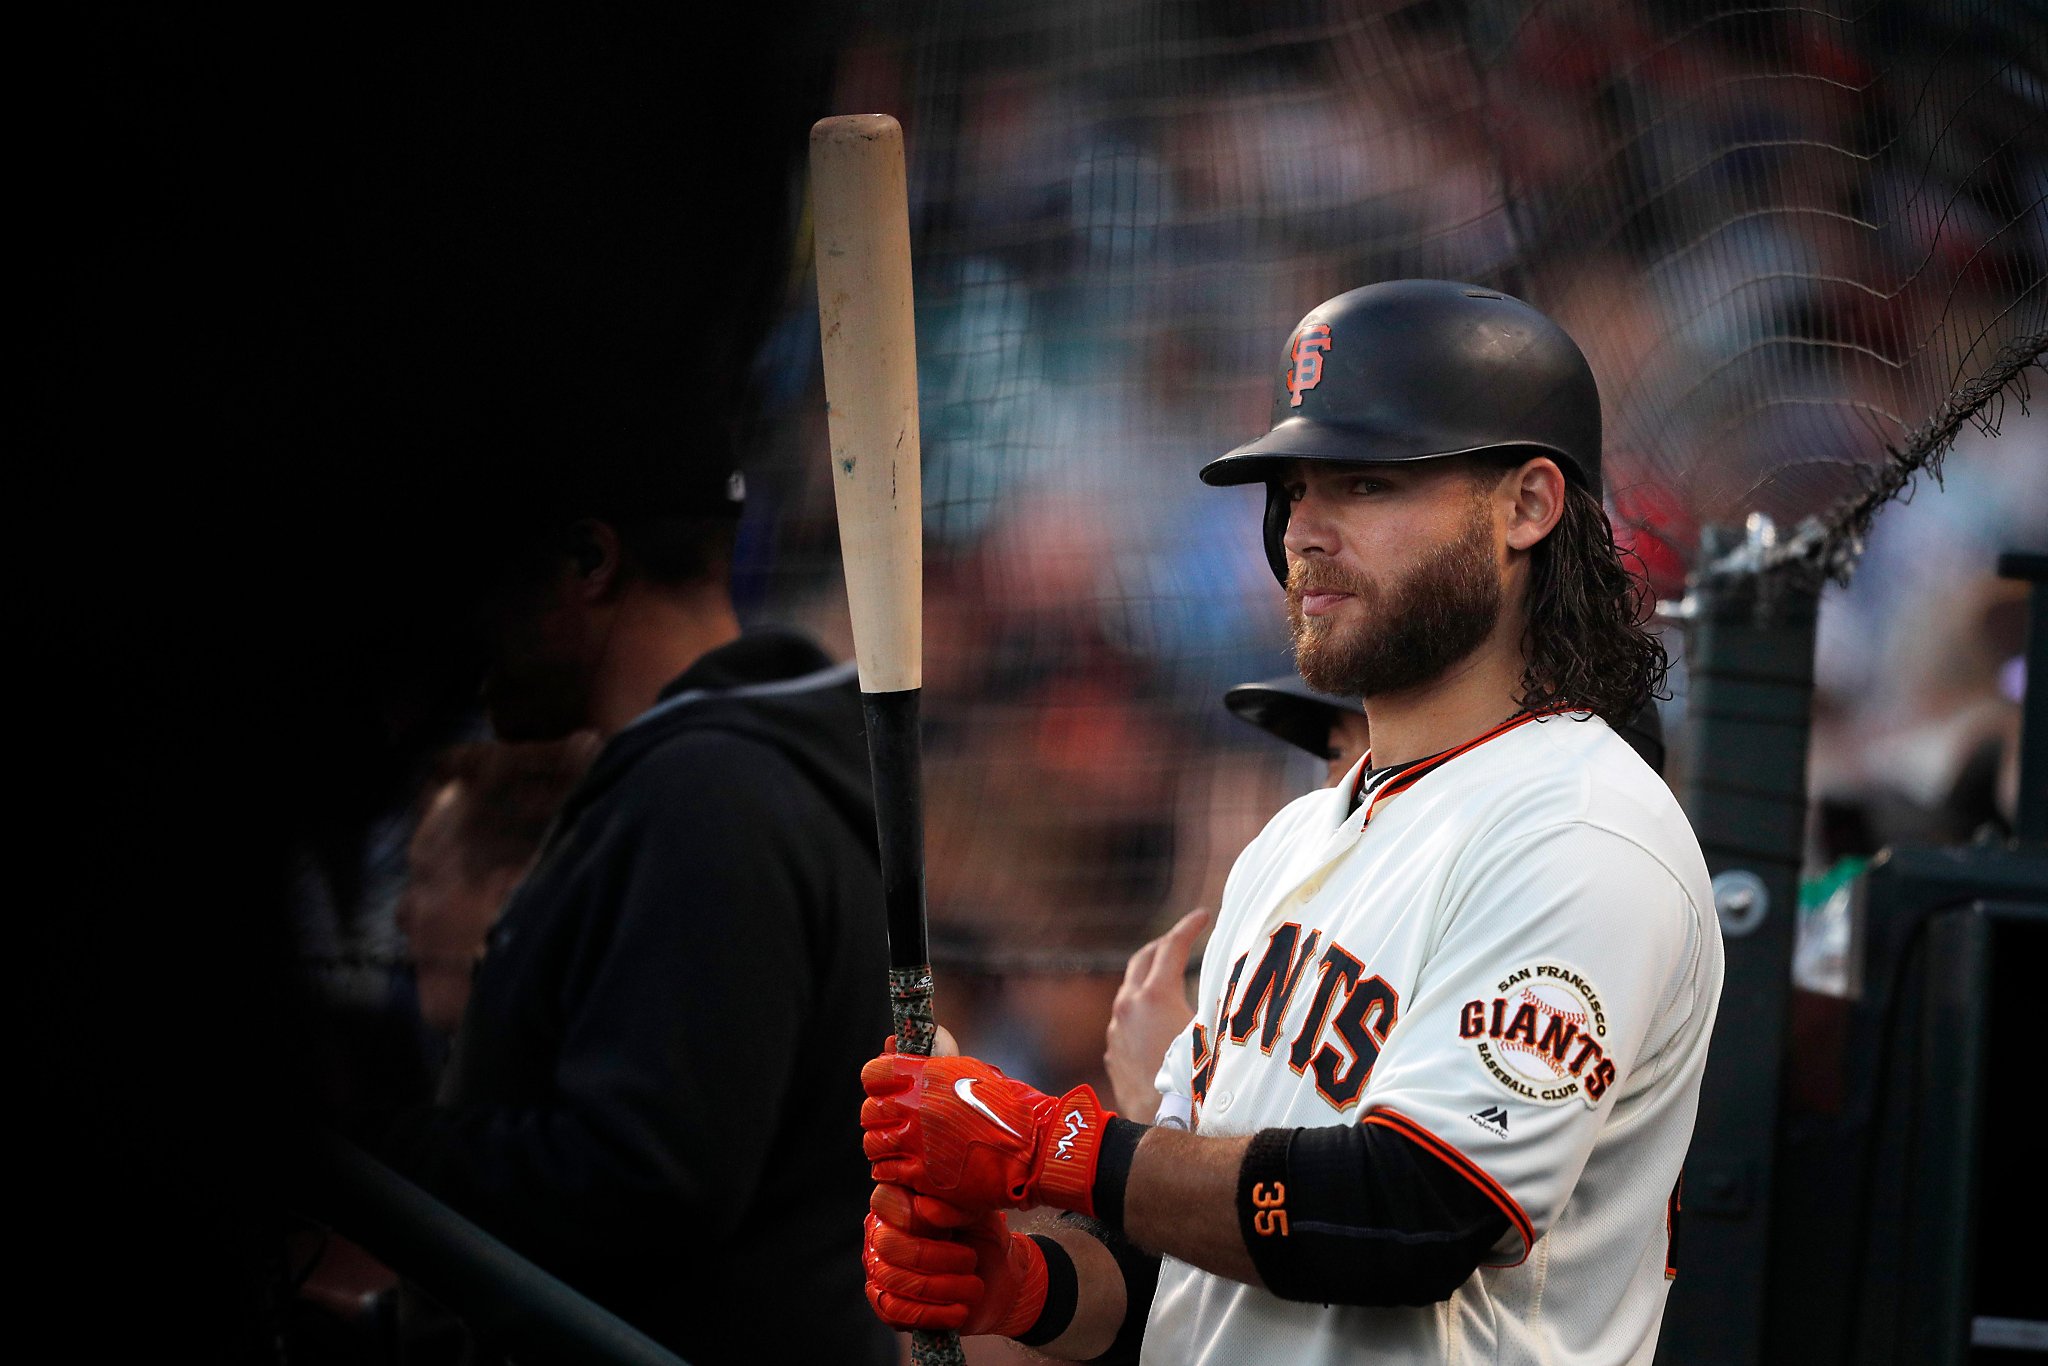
{"x":318,"y":295}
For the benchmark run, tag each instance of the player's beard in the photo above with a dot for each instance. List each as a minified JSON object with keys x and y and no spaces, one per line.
{"x":1410,"y":632}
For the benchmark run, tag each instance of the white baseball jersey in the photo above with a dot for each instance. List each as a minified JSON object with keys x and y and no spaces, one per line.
{"x":1510,"y":956}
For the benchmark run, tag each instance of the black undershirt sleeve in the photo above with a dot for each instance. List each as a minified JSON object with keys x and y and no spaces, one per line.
{"x":1360,"y":1214}
{"x":1141,"y":1279}
{"x":1062,"y":1294}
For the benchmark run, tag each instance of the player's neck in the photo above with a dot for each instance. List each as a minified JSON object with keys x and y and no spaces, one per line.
{"x":1470,"y":698}
{"x":655,"y":635}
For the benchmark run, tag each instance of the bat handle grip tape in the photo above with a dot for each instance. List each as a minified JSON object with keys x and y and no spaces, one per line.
{"x":936,"y":1349}
{"x":910,"y":1003}
{"x":910,"y":1009}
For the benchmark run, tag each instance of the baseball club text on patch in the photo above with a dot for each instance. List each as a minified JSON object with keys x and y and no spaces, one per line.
{"x":1543,"y":1035}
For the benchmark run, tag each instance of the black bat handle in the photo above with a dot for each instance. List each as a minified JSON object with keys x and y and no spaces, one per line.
{"x":894,"y":758}
{"x":893,"y":755}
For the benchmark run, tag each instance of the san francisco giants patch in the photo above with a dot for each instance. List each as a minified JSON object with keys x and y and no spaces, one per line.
{"x":1542,"y":1035}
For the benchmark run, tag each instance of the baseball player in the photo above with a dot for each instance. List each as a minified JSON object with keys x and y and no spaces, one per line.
{"x":1456,"y":1009}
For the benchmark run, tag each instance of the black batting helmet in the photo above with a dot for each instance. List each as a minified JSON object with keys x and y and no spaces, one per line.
{"x":1413,"y":370}
{"x":1290,"y":709}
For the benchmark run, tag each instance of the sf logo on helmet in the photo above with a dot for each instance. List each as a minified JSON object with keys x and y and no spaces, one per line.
{"x":1307,"y":354}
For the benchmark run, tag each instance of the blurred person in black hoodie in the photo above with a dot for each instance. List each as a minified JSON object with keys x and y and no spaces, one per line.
{"x":703,"y":924}
{"x":273,"y":258}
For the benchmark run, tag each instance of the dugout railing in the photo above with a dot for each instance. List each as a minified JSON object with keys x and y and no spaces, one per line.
{"x":508,"y":1304}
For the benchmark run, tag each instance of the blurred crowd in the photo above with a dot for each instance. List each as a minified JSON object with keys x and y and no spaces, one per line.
{"x":1919,"y":668}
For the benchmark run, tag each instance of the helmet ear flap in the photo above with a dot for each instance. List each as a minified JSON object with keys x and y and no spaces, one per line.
{"x":1278,"y":506}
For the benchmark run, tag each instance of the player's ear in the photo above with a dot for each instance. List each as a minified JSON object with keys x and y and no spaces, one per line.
{"x":1536,"y":492}
{"x":593,"y":549}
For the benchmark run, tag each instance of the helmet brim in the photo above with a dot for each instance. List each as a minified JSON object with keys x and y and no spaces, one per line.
{"x":1290,"y":710}
{"x":1300,"y":438}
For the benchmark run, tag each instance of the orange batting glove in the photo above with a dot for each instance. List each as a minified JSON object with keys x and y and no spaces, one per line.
{"x":959,"y":1129}
{"x":930,"y":1265}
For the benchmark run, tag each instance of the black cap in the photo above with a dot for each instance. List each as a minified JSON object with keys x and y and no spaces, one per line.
{"x":567,"y":448}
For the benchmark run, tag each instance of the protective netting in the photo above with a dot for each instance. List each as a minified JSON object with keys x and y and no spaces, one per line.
{"x":1801,"y":245}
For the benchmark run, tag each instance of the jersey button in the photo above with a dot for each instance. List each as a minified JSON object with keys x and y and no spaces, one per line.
{"x":1220,"y":1102}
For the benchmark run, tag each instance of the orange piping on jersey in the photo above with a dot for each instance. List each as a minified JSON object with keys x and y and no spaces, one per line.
{"x":1423,"y":770}
{"x":1463,"y":1166}
{"x":1672,"y":1209}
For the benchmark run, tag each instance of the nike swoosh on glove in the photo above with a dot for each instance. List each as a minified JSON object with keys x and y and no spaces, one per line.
{"x":959,"y":1129}
{"x":959,"y":1271}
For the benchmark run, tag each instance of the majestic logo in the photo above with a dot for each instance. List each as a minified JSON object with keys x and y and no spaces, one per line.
{"x":1493,"y":1119}
{"x":1064,"y":1149}
{"x":1307,"y":354}
{"x":964,"y":1088}
{"x":1541,"y":1036}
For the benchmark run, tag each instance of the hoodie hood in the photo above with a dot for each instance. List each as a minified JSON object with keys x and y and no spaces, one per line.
{"x":775,"y":687}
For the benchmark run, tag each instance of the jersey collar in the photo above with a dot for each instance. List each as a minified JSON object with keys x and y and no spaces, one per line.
{"x":1400,"y":779}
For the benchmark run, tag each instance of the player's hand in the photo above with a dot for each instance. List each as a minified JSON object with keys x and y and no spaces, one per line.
{"x":1151,"y":1007}
{"x":959,"y":1129}
{"x":932,"y":1265}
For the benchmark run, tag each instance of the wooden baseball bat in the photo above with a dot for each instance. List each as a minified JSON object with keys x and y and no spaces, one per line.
{"x":860,"y":209}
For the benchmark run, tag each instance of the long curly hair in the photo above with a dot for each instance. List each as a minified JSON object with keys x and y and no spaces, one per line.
{"x":1586,"y":645}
